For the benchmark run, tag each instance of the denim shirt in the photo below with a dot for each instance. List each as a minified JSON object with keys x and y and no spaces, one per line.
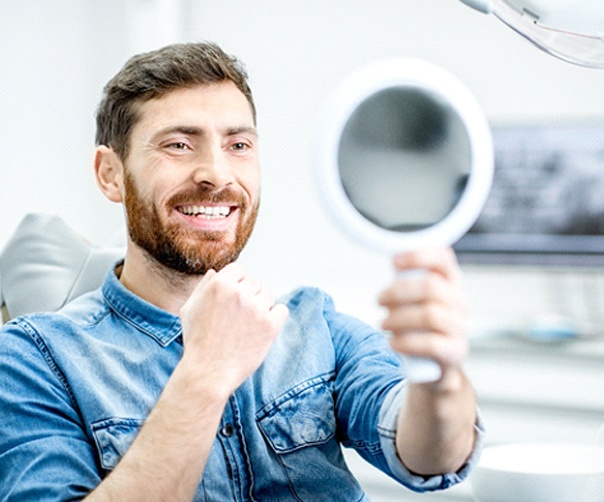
{"x":77,"y":385}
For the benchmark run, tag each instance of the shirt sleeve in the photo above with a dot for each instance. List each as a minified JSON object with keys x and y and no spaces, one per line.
{"x":387,"y":431}
{"x":370,"y":389}
{"x":45,"y":453}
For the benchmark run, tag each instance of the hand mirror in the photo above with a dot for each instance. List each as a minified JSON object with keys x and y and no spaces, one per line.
{"x":404,"y":161}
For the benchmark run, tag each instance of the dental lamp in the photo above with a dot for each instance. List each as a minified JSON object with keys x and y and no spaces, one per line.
{"x":572,"y":30}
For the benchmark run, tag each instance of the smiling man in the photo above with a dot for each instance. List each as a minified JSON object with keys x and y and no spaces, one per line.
{"x":190,"y":183}
{"x":181,"y":378}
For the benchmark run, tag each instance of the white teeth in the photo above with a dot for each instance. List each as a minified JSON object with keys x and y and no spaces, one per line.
{"x":206,"y":211}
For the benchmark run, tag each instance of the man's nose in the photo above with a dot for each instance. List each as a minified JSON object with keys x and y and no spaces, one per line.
{"x":212,"y":168}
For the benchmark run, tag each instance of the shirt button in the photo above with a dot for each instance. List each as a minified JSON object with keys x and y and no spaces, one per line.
{"x":227,"y":430}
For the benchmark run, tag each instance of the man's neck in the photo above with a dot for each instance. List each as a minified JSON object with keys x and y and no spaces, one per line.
{"x":155,"y":283}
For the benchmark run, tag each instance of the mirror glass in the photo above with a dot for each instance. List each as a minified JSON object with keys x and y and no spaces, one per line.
{"x":404,"y":159}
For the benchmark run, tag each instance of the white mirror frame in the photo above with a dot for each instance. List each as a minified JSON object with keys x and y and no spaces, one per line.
{"x":341,"y":104}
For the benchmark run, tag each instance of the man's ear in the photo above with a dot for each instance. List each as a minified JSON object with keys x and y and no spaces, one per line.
{"x":109,"y":172}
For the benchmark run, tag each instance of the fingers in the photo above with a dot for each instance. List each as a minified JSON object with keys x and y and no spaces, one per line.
{"x":421,"y":288}
{"x":428,"y":318}
{"x":234,"y":277}
{"x":233,"y":272}
{"x":232,"y":285}
{"x":249,"y":288}
{"x":447,"y":351}
{"x":439,"y":260}
{"x":426,"y":311}
{"x":279,"y":313}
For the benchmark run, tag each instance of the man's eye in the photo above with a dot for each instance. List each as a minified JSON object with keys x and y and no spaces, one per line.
{"x":179,"y":146}
{"x":240,"y":146}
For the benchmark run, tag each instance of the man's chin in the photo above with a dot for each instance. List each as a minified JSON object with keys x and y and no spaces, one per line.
{"x":196,"y":252}
{"x":198,"y":263}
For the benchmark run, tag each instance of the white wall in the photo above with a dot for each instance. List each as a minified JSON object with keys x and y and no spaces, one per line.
{"x":56,"y":56}
{"x":53,"y":57}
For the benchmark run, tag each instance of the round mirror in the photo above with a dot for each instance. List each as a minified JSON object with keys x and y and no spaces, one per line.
{"x":405,"y":161}
{"x":405,"y":156}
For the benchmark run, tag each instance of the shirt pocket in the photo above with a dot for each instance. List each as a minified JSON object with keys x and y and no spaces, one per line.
{"x":300,"y":429}
{"x":301,"y":417}
{"x":113,"y":437}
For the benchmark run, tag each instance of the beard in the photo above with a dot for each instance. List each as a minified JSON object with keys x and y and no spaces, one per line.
{"x":186,"y":251}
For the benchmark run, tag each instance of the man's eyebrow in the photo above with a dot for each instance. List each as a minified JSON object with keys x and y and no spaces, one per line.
{"x":198,"y":131}
{"x":233,"y":131}
{"x":181,"y":129}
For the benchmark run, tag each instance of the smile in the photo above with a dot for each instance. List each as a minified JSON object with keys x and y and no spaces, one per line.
{"x":206,"y":212}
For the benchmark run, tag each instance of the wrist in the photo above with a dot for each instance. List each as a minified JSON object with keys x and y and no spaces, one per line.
{"x":194,"y":381}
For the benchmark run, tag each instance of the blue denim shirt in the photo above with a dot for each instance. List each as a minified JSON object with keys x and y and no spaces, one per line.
{"x":77,"y":385}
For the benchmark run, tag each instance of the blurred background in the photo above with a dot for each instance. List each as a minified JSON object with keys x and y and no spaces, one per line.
{"x":536,"y":317}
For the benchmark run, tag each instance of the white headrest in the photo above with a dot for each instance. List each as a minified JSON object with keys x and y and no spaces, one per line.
{"x":46,"y":264}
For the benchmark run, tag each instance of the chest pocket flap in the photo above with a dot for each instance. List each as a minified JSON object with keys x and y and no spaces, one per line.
{"x":303,"y":416}
{"x":113,"y":437}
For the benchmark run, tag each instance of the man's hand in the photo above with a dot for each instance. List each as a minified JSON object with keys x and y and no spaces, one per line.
{"x":426,"y":316}
{"x":230,"y":324}
{"x":426,"y":313}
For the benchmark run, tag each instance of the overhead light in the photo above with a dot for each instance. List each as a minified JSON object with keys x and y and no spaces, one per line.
{"x":570,"y":30}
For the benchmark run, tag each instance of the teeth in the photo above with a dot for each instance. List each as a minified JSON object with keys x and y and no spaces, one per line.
{"x":206,"y":211}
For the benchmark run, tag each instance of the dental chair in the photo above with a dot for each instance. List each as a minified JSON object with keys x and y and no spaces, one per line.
{"x":46,"y":264}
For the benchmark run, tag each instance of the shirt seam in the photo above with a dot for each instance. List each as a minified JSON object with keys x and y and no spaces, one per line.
{"x":129,"y":316}
{"x":46,"y":353}
{"x":268,"y":408}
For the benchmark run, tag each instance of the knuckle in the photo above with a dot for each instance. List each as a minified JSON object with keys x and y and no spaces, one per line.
{"x":436,"y":347}
{"x":433,"y":286}
{"x":431,"y":315}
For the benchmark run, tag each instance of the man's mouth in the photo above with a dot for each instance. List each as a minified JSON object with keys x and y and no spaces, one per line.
{"x":206,"y":212}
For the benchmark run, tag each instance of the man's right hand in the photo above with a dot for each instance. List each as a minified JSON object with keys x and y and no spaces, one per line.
{"x":229,"y":325}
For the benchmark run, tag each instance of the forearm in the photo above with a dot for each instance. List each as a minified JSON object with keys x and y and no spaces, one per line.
{"x":435,"y":433}
{"x":167,"y":459}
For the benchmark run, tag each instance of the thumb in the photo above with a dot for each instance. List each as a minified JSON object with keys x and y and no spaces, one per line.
{"x":279,"y":314}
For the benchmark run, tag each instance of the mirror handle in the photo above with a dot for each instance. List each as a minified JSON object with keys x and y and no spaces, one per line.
{"x":422,"y":369}
{"x":419,"y":369}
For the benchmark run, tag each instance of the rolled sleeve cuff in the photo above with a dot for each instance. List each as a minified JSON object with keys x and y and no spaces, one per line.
{"x":387,"y":431}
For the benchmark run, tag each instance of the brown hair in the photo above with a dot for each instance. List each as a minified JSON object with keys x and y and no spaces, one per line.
{"x":153,"y":74}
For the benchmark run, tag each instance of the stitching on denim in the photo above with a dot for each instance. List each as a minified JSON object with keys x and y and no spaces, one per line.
{"x":47,"y":355}
{"x":371,"y":448}
{"x":389,"y":433}
{"x":135,"y":320}
{"x":294,"y":391}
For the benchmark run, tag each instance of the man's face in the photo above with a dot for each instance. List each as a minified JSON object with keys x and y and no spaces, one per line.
{"x":192,"y":178}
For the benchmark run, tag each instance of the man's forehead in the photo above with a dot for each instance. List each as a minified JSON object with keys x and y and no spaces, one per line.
{"x":219,"y":93}
{"x":192,"y":106}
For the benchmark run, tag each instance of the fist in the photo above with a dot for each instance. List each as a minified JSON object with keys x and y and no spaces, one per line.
{"x":229,"y":324}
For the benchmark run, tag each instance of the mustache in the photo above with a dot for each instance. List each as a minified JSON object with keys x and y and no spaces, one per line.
{"x":207,"y":194}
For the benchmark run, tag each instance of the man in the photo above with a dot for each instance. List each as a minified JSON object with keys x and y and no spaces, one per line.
{"x":182,"y":378}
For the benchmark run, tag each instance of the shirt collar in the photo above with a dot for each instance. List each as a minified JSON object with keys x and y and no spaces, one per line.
{"x":151,"y":320}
